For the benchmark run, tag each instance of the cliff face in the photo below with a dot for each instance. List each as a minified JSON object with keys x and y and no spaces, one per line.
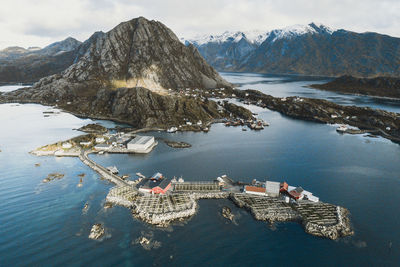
{"x":379,"y":86}
{"x":125,"y":75}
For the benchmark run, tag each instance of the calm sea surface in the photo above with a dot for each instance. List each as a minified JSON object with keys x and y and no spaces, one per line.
{"x":43,"y":224}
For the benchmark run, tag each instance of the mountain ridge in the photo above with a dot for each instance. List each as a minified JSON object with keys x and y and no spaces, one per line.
{"x":306,"y":50}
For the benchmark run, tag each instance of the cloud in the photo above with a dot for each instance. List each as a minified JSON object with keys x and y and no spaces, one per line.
{"x":39,"y":22}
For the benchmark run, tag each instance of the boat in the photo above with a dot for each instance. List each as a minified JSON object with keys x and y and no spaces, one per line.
{"x":172,"y":130}
{"x":342,"y":129}
{"x":244,"y":129}
{"x":265,"y":123}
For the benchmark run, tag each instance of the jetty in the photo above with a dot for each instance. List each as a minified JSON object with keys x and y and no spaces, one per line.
{"x":104,"y":172}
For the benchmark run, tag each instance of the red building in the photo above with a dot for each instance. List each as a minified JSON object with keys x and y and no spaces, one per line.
{"x":157,"y":184}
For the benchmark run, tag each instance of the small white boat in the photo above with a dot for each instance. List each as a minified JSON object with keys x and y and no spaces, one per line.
{"x":172,"y":130}
{"x":342,"y":129}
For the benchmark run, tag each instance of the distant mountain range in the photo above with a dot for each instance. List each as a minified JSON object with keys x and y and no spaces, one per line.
{"x":18,"y":64}
{"x":312,"y":49}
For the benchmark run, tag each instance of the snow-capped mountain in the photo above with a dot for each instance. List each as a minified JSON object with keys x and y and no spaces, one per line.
{"x":258,"y":36}
{"x":313,"y":49}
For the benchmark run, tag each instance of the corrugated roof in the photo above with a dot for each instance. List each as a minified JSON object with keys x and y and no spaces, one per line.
{"x":255,"y":189}
{"x":140,"y":140}
{"x":272,"y":187}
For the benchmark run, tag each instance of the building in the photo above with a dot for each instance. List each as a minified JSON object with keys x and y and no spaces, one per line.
{"x":157,"y":184}
{"x":254,"y":190}
{"x":100,"y":140}
{"x":102,"y":147}
{"x":272,"y":188}
{"x":296,"y":193}
{"x":142,"y":144}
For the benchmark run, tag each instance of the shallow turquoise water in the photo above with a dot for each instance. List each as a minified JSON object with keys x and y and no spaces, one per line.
{"x":43,"y":224}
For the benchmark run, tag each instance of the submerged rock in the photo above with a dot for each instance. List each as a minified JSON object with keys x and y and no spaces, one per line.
{"x":147,"y":242}
{"x":53,"y":176}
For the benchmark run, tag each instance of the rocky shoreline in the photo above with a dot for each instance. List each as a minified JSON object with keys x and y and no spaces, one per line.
{"x":375,"y":121}
{"x":162,"y":210}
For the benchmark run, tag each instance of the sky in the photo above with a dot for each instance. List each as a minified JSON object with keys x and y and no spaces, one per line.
{"x":30,"y":23}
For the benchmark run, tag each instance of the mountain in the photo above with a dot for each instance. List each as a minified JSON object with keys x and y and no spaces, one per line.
{"x":379,"y":86}
{"x":132,"y":74}
{"x":312,"y":49}
{"x":18,"y":64}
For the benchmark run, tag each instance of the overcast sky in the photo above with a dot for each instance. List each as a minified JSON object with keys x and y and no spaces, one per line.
{"x":40,"y":22}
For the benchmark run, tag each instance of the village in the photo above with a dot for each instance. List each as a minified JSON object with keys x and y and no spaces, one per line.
{"x":159,"y":200}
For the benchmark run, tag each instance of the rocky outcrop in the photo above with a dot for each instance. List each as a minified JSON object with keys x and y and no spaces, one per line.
{"x":127,"y":75}
{"x":97,"y":231}
{"x":379,"y":86}
{"x":227,"y":213}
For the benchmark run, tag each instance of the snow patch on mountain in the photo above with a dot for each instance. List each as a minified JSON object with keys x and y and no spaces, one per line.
{"x":258,"y":36}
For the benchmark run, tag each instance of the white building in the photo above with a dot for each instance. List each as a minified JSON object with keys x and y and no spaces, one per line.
{"x":142,"y":144}
{"x":88,"y":143}
{"x":100,"y":140}
{"x":102,"y":147}
{"x":272,"y":188}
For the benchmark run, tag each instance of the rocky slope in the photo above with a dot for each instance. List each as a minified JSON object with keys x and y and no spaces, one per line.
{"x":125,"y":75}
{"x":309,"y":50}
{"x":379,"y":86}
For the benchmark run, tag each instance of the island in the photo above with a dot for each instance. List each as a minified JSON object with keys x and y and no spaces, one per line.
{"x":379,"y":86}
{"x":160,"y":201}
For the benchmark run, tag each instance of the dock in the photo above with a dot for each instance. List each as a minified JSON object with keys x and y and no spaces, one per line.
{"x":83,"y":156}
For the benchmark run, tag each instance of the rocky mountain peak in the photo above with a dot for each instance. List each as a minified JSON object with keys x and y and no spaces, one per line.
{"x":141,"y":53}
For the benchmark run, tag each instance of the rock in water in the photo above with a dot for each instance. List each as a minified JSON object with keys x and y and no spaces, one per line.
{"x":125,"y":75}
{"x":227,"y":213}
{"x":97,"y":231}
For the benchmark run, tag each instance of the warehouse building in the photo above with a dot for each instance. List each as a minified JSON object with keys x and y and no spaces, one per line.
{"x":272,"y":188}
{"x":142,"y":144}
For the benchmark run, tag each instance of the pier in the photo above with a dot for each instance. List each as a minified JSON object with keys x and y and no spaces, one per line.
{"x":83,"y":156}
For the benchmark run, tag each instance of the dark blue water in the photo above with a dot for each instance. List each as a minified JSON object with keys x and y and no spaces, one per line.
{"x":43,"y":224}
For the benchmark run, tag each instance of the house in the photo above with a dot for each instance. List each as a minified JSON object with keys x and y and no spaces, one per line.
{"x":284,"y":187}
{"x":157,"y":184}
{"x":272,"y":188}
{"x":142,"y":144}
{"x":100,"y":140}
{"x":296,"y":193}
{"x":254,"y":190}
